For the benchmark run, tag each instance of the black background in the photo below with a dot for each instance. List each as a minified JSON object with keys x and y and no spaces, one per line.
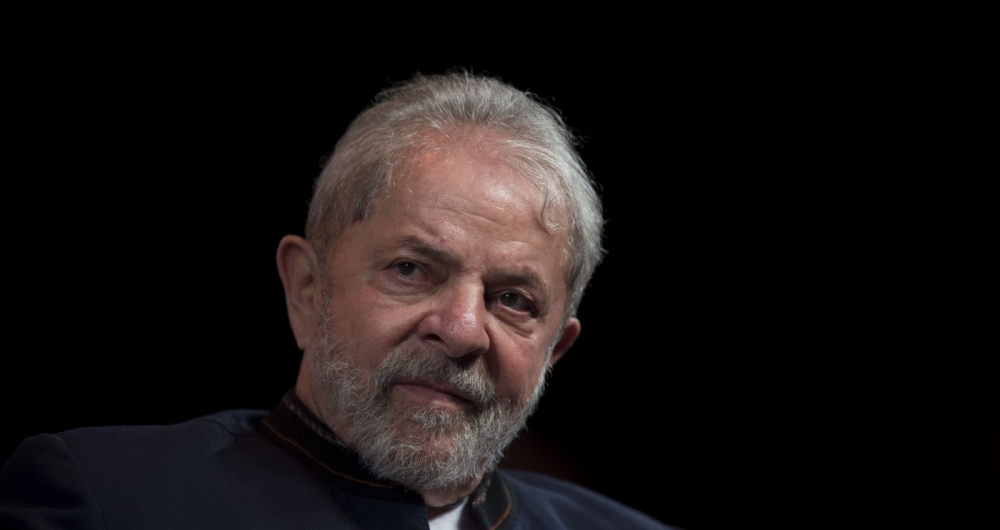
{"x":787,"y":331}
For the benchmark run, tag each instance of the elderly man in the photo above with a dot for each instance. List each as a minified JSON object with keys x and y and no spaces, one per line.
{"x":448,"y":244}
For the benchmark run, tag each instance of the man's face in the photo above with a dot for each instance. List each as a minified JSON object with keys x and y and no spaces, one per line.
{"x":439,"y":313}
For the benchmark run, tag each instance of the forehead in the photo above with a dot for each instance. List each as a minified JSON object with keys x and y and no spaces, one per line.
{"x":484,"y":158}
{"x":466,"y":198}
{"x":475,"y":182}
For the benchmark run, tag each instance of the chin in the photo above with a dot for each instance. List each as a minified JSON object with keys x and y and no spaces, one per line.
{"x":420,"y":444}
{"x":431,"y":448}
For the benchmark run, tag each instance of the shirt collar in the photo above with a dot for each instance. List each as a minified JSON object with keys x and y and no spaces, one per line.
{"x":294,"y":428}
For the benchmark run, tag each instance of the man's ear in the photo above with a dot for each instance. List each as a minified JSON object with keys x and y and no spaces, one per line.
{"x":570,"y":333}
{"x":297,"y":267}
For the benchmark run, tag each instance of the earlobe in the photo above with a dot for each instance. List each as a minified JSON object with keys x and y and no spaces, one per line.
{"x":297,"y":268}
{"x":569,"y":336}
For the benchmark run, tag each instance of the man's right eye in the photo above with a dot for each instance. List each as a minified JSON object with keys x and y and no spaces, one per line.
{"x":406,"y":276}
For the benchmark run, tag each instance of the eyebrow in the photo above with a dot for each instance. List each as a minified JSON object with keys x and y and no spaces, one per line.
{"x":527,"y":278}
{"x":419,"y":246}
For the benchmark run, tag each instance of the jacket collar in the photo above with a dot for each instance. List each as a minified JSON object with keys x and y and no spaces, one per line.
{"x":294,"y":428}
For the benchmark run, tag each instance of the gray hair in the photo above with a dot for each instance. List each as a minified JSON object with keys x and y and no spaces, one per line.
{"x":382,"y":141}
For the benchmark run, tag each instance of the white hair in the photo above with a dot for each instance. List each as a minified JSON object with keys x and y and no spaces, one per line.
{"x":528,"y":136}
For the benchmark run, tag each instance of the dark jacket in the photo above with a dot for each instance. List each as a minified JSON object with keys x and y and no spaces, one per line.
{"x":249,"y":469}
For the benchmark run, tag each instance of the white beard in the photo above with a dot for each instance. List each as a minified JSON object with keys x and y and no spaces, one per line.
{"x":427,"y":448}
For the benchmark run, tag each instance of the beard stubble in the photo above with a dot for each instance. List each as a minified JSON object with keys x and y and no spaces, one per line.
{"x":424,"y":448}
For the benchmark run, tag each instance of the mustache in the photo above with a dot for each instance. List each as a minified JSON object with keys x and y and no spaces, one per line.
{"x":405,"y":364}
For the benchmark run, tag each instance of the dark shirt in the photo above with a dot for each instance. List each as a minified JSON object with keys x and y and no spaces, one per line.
{"x":250,"y":469}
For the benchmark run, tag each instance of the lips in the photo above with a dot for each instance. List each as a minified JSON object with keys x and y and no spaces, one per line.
{"x":427,"y":376}
{"x":433,"y":390}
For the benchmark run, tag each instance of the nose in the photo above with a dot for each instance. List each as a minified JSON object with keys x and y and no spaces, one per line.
{"x":457,"y":321}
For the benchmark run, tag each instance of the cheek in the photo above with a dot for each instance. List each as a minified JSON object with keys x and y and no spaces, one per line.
{"x":382,"y":325}
{"x":517,"y":369}
{"x":368,"y":327}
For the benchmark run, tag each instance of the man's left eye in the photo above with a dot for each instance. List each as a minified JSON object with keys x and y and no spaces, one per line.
{"x":407,"y":269}
{"x":514,"y":301}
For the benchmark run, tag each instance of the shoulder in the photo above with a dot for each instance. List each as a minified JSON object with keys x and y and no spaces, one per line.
{"x":116,"y":447}
{"x":68,"y":477}
{"x":119,"y":443}
{"x":552,"y":503}
{"x":225,"y":423}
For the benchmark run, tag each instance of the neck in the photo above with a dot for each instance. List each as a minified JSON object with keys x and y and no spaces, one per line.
{"x":446,"y":497}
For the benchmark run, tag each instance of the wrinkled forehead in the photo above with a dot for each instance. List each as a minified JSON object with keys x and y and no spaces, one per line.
{"x":493,"y":176}
{"x":504,"y":158}
{"x":495,"y":167}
